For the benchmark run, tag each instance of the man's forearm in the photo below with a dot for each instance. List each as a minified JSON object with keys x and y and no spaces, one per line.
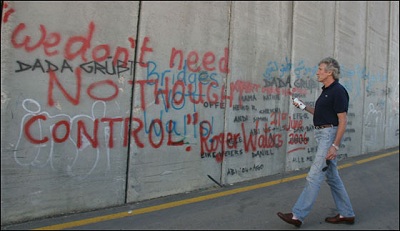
{"x":341,"y":128}
{"x":310,"y":109}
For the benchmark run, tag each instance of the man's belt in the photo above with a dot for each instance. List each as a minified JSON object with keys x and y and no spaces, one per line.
{"x":323,"y":126}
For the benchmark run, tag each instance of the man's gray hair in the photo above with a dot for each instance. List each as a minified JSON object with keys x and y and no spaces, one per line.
{"x":331,"y":65}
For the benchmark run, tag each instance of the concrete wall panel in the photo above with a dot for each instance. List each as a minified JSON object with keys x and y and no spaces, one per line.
{"x":313,"y":39}
{"x":376,"y":75}
{"x":350,"y":50}
{"x":260,"y":44}
{"x":189,"y":42}
{"x":59,"y":151}
{"x":392,"y":106}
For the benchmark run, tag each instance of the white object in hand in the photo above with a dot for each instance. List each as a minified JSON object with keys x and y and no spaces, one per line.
{"x":301,"y":104}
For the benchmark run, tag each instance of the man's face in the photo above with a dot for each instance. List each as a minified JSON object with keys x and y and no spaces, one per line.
{"x":322,"y":74}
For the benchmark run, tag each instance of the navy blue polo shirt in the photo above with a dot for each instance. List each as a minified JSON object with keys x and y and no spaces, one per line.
{"x":333,"y":99}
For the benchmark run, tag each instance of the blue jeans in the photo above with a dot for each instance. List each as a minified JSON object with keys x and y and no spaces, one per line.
{"x":302,"y":208}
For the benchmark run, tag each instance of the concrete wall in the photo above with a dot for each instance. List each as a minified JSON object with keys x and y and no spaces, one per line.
{"x":107,"y":103}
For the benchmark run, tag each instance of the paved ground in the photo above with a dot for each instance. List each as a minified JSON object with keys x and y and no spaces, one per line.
{"x":371,"y":180}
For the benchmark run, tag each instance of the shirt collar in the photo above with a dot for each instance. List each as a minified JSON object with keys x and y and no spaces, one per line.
{"x":332,"y":84}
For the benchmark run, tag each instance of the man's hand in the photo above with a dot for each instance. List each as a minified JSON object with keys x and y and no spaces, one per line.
{"x":332,"y":153}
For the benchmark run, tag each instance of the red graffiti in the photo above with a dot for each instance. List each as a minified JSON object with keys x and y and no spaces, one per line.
{"x":7,"y":13}
{"x":143,"y":50}
{"x":207,"y":62}
{"x":262,"y":140}
{"x":252,"y":142}
{"x":179,"y":91}
{"x":157,"y":124}
{"x":217,"y":143}
{"x":298,"y":138}
{"x":152,"y":128}
{"x":243,"y":87}
{"x":278,"y":117}
{"x":28,"y":133}
{"x":75,"y":46}
{"x":134,"y":133}
{"x":83,"y":131}
{"x":111,"y":122}
{"x":55,"y":129}
{"x":60,"y":131}
{"x":108,"y":82}
{"x":54,"y":81}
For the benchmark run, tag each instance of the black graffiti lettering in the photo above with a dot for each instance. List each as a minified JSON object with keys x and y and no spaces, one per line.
{"x":40,"y":65}
{"x":277,"y":82}
{"x":37,"y":64}
{"x":307,"y":83}
{"x":66,"y":65}
{"x":121,"y":67}
{"x":107,"y":67}
{"x":84,"y":65}
{"x":50,"y":65}
{"x":23,"y":66}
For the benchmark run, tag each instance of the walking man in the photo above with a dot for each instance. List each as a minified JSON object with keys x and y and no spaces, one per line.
{"x":330,"y":120}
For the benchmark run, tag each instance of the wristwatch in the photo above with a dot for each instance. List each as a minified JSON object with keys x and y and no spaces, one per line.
{"x":336,"y":147}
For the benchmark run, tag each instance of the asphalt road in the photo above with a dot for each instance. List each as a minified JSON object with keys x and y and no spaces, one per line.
{"x":371,"y":180}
